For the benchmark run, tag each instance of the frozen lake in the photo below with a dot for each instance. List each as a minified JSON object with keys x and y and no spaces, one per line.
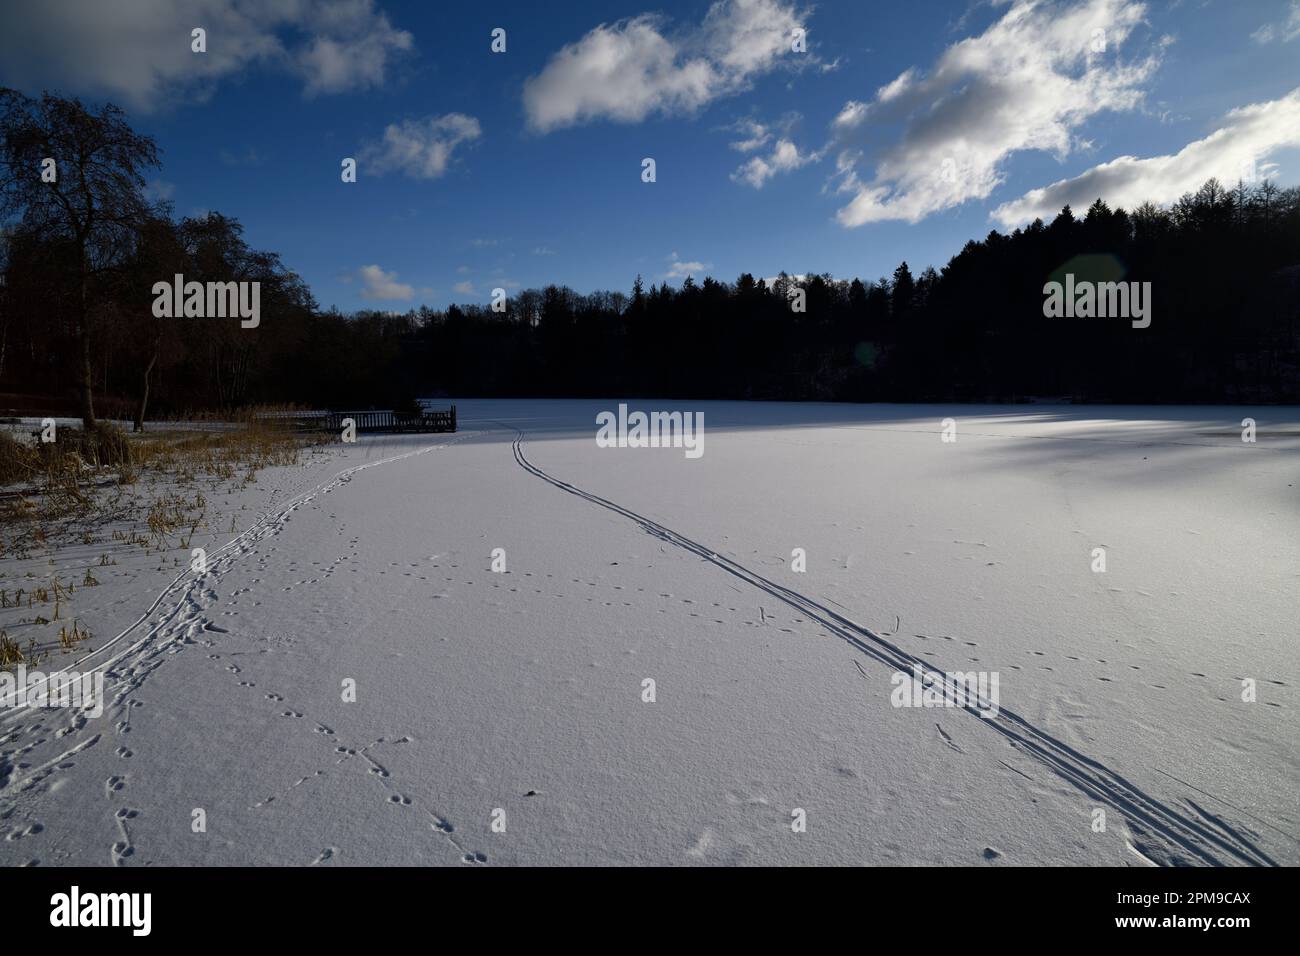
{"x":353,"y":681}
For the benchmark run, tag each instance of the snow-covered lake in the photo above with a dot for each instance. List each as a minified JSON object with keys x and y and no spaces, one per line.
{"x":351,"y":682}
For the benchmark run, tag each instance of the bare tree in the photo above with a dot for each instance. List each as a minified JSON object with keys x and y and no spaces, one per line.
{"x":91,"y":194}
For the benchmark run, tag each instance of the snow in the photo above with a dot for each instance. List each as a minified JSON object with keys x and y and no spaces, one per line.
{"x":522,"y":691}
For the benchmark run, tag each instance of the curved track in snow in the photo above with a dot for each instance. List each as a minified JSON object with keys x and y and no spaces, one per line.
{"x":1162,"y":834}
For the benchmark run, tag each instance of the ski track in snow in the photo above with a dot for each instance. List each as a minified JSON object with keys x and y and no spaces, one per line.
{"x":1161,"y":834}
{"x":128,"y":668}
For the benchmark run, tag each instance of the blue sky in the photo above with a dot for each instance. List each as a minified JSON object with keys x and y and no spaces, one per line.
{"x":900,"y":132}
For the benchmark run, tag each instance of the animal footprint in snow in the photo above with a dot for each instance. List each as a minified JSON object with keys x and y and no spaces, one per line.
{"x":290,"y":713}
{"x":322,"y":729}
{"x":474,"y":858}
{"x":275,"y":697}
{"x":74,"y":725}
{"x":30,"y":831}
{"x":125,"y":752}
{"x":399,"y":799}
{"x":114,"y":784}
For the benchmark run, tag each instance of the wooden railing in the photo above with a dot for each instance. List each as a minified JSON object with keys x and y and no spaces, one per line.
{"x":430,"y":420}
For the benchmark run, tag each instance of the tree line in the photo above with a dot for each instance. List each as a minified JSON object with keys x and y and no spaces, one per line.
{"x":80,"y":254}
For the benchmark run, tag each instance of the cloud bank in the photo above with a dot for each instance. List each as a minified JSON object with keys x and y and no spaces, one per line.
{"x":1028,"y":82}
{"x":138,"y":53}
{"x":1236,"y":150}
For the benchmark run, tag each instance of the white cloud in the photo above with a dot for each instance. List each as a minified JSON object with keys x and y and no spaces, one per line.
{"x":420,"y":148}
{"x":137,"y":52}
{"x":791,"y":278}
{"x":1027,"y":83}
{"x":1286,"y":32}
{"x":353,"y":50}
{"x":380,"y":286}
{"x":896,"y":87}
{"x":785,"y":156}
{"x":634,"y":68}
{"x":1248,"y":136}
{"x":464,"y":288}
{"x":678,"y":269}
{"x":756,"y":136}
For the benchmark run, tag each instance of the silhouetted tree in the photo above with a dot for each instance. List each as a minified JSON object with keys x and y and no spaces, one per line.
{"x":92,"y":196}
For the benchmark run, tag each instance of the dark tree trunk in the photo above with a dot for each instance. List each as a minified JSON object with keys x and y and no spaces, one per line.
{"x":144,"y":393}
{"x":87,"y":400}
